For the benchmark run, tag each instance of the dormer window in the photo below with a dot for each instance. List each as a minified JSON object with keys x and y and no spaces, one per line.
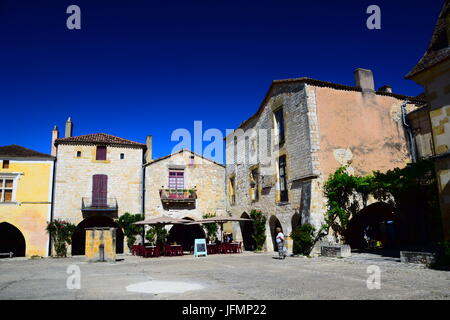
{"x":101,"y":153}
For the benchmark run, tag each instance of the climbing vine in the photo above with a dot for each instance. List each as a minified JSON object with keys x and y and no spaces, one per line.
{"x":345,"y":192}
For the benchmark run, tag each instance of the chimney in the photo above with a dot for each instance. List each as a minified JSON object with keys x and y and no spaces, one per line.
{"x":69,"y":128}
{"x":55,"y":134}
{"x":385,"y":88}
{"x":148,"y":153}
{"x":364,"y":80}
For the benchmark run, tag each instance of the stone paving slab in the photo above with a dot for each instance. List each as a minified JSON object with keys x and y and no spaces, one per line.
{"x":238,"y":276}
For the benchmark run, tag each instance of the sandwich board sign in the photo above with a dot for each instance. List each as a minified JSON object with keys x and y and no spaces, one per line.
{"x":200,"y":247}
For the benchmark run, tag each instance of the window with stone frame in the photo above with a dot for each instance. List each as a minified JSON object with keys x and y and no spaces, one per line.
{"x":254,"y":184}
{"x":6,"y":189}
{"x":282,"y":179}
{"x":101,"y":153}
{"x":232,"y":190}
{"x":279,"y":126}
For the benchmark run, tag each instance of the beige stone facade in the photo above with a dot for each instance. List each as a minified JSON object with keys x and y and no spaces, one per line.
{"x":74,"y":179}
{"x":204,"y":177}
{"x":326,"y":126}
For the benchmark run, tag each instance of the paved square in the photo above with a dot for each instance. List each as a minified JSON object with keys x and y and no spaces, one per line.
{"x":240,"y":276}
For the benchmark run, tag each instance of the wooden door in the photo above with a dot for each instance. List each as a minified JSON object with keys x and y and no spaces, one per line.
{"x":99,"y":190}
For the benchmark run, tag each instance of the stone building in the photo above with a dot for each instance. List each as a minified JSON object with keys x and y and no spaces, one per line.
{"x":98,"y":178}
{"x":433,"y":73}
{"x":26,"y":178}
{"x":279,"y":158}
{"x":184,"y":185}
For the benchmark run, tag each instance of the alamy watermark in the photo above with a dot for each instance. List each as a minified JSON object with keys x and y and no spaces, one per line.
{"x":73,"y":281}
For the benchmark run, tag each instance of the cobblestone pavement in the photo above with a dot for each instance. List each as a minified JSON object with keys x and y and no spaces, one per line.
{"x":239,"y":276}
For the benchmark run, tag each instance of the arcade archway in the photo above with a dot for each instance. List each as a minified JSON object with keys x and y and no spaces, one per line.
{"x":372,"y":225}
{"x":79,"y":237}
{"x":248,"y":230}
{"x":274,"y":223}
{"x":11,"y":240}
{"x":186,"y":234}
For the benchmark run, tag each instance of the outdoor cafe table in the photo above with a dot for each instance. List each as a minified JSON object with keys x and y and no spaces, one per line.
{"x":177,"y":249}
{"x":212,"y":248}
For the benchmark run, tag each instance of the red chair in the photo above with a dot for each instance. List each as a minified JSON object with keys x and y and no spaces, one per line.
{"x":137,"y":250}
{"x":168,"y":250}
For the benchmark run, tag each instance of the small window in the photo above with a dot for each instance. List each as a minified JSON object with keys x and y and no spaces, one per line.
{"x":5,"y":164}
{"x":122,"y":156}
{"x":78,"y":154}
{"x":101,"y":153}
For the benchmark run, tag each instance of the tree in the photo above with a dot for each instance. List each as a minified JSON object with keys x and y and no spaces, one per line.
{"x":210,"y":228}
{"x":61,"y":232}
{"x":131,"y":230}
{"x":259,"y":222}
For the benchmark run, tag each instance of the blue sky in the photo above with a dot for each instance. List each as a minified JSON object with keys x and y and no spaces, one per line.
{"x":149,"y":67}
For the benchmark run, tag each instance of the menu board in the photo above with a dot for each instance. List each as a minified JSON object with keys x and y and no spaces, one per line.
{"x":200,"y":248}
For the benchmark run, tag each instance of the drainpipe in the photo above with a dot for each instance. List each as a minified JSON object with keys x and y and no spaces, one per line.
{"x":408,"y":128}
{"x":52,"y":204}
{"x":143,"y":200}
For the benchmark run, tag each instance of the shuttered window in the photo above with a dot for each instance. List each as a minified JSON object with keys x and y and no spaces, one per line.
{"x":282,"y":179}
{"x":101,"y":153}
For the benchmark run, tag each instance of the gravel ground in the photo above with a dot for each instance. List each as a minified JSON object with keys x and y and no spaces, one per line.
{"x":240,"y":276}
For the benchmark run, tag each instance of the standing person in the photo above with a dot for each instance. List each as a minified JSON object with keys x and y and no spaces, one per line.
{"x":280,"y":242}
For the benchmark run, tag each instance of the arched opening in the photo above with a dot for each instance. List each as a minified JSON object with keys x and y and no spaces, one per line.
{"x":295,"y":221}
{"x":248,"y":230}
{"x":11,"y":240}
{"x":372,"y":225}
{"x":274,"y":223}
{"x":185,"y":235}
{"x":79,"y":236}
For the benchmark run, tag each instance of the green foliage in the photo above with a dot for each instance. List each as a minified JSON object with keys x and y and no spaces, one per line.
{"x":303,"y":237}
{"x":345,"y":192}
{"x":210,"y":228}
{"x":129,"y":229}
{"x":259,"y":222}
{"x":61,"y":232}
{"x":157,"y":235}
{"x":443,"y":256}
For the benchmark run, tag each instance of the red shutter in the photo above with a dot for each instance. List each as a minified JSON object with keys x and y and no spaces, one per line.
{"x":99,"y":190}
{"x":101,"y":153}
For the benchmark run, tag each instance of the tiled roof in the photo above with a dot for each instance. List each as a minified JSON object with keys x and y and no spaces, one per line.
{"x":181,"y":151}
{"x":15,"y":151}
{"x":438,"y":49}
{"x":99,"y":138}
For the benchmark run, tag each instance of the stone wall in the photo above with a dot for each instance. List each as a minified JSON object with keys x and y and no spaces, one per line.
{"x":204,"y":175}
{"x":324,"y":129}
{"x":74,"y":179}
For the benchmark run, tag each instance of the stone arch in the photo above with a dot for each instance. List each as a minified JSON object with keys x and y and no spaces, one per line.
{"x":12,"y":240}
{"x":247,"y":230}
{"x":274,"y":223}
{"x":296,"y":220}
{"x":186,"y":234}
{"x":376,"y":222}
{"x":79,"y":236}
